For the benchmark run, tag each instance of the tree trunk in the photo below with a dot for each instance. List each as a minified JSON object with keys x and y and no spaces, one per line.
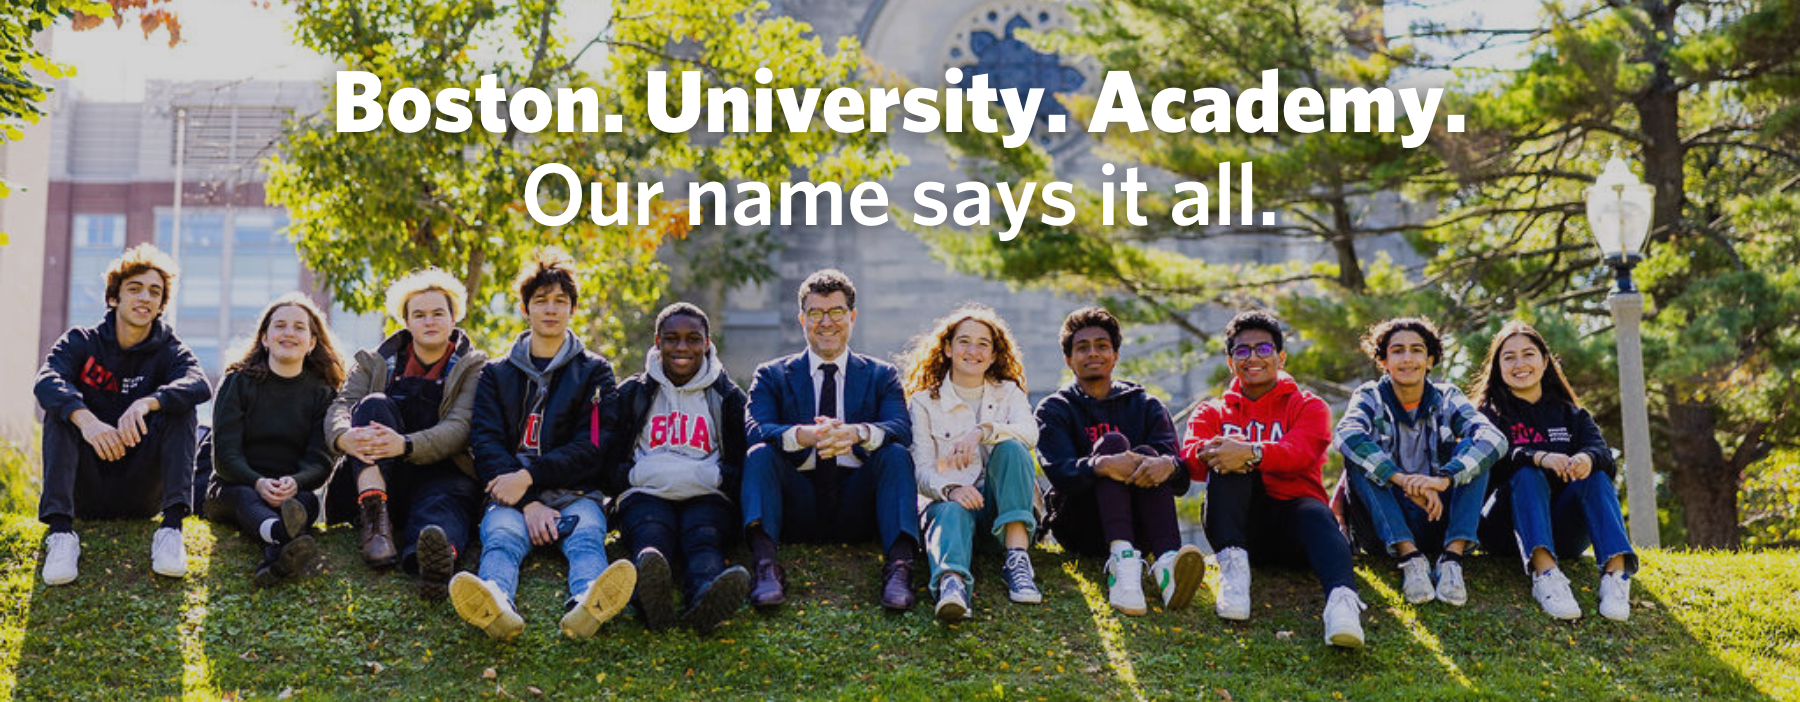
{"x":1701,"y":478}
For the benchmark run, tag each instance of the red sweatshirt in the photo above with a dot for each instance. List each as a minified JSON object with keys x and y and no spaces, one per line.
{"x":1293,"y":426}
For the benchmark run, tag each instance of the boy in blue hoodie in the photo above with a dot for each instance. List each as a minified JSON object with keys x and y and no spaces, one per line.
{"x":673,"y":437}
{"x":119,"y":426}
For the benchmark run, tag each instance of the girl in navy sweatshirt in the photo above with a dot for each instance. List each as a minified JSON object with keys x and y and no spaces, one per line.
{"x":1558,"y":473}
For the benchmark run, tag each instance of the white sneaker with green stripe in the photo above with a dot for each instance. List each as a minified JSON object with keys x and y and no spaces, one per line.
{"x":1125,"y":582}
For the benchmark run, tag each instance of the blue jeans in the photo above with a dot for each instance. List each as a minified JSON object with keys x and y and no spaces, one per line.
{"x":1007,"y":497}
{"x":1564,"y":522}
{"x":1398,"y":520}
{"x":505,"y":541}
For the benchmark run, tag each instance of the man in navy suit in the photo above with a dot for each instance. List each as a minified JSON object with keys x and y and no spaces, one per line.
{"x":828,"y":460}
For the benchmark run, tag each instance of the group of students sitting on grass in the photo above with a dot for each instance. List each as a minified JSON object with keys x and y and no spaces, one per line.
{"x":428,"y":445}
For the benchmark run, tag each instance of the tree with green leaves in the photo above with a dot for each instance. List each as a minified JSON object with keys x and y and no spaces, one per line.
{"x":367,"y":207}
{"x":1704,"y":94}
{"x":1705,"y":97}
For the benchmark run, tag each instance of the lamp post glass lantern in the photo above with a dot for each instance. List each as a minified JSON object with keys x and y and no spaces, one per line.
{"x":1618,"y":208}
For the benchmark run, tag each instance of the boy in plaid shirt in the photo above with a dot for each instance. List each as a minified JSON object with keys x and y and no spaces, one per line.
{"x":1416,"y":456}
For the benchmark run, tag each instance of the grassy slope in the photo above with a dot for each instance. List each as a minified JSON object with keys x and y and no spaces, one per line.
{"x":1707,"y":627}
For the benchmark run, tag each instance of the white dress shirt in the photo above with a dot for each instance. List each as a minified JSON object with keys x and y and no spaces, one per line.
{"x":790,"y":439}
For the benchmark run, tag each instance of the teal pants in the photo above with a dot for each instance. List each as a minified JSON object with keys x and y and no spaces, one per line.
{"x":1007,"y":493}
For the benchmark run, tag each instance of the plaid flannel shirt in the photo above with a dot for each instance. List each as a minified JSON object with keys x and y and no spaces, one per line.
{"x":1467,"y":442}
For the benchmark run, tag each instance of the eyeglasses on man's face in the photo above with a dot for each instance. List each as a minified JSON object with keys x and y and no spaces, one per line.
{"x":837,"y":314}
{"x":1243,"y":351}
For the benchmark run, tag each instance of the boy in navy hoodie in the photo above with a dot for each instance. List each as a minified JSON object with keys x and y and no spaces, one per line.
{"x":534,"y":453}
{"x":119,"y":426}
{"x":1109,"y":450}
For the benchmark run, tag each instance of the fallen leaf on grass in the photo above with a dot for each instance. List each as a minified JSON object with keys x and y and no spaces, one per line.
{"x":489,"y":674}
{"x":285,"y":693}
{"x":1284,"y":635}
{"x":534,"y":691}
{"x":375,"y":667}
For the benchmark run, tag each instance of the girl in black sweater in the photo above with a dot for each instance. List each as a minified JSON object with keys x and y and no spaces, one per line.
{"x":270,"y":456}
{"x":1558,"y":473}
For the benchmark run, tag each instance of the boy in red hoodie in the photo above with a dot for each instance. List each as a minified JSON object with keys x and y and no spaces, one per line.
{"x":1263,"y":444}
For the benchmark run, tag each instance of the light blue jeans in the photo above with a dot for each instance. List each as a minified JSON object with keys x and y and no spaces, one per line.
{"x":1585,"y":511}
{"x":505,"y":541}
{"x":1398,"y":520}
{"x":1007,"y":497}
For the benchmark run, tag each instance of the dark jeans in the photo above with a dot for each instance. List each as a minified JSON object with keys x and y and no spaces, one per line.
{"x":418,"y":495}
{"x":156,"y":474}
{"x":690,"y":533}
{"x":1113,"y":511}
{"x":1289,"y":533}
{"x":878,"y":499}
{"x":240,"y":505}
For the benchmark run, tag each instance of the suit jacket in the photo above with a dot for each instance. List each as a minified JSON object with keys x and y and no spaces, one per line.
{"x":782,"y":396}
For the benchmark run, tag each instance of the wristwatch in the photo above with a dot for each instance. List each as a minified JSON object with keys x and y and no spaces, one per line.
{"x":862,"y":433}
{"x":1255,"y":456}
{"x":407,"y":451}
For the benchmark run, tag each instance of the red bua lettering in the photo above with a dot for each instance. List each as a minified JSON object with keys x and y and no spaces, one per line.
{"x":681,"y":429}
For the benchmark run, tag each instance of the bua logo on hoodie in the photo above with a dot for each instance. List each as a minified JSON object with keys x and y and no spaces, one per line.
{"x":1254,"y":432}
{"x":677,"y":428}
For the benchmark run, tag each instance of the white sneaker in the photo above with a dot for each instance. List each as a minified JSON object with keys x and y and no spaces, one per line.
{"x":603,"y":599}
{"x":481,"y":603}
{"x":168,"y":554}
{"x":1450,"y":588}
{"x":1615,"y":596}
{"x":1417,"y":587}
{"x":1343,"y":618}
{"x":1125,"y":582}
{"x":62,"y":553}
{"x":1178,"y":574}
{"x":1551,"y":590}
{"x":1234,"y":585}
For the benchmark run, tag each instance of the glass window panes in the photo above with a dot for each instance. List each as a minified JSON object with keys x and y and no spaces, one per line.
{"x":95,"y":241}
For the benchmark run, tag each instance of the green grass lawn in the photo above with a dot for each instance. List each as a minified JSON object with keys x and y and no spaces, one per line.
{"x":1706,"y":627}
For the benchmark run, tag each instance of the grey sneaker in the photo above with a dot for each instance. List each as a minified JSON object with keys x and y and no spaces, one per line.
{"x":1021,"y":581}
{"x":1417,"y":587}
{"x":1450,"y":589}
{"x":953,"y":598}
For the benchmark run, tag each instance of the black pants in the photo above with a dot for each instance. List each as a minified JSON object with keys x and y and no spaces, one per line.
{"x":1088,"y":523}
{"x":153,"y":476}
{"x":1289,"y":533}
{"x":690,"y":533}
{"x":240,"y":505}
{"x":418,"y":496}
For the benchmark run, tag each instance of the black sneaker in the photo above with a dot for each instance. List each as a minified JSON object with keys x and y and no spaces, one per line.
{"x":286,"y":561}
{"x":718,"y":600}
{"x":437,"y":562}
{"x":655,"y":590}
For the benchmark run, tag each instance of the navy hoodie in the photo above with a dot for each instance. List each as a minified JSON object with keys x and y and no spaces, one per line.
{"x":86,"y":369}
{"x":1070,"y":421}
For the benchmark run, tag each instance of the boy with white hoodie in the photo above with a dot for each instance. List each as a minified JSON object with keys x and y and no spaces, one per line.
{"x":673,"y":441}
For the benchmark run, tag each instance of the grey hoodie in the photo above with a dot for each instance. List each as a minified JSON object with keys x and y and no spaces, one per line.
{"x":538,"y":392}
{"x":677,"y":454}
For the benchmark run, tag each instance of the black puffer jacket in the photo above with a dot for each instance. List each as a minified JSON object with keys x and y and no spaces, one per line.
{"x":565,"y":456}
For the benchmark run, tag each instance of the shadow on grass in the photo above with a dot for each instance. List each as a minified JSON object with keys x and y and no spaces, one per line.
{"x":347,"y":632}
{"x":114,"y":633}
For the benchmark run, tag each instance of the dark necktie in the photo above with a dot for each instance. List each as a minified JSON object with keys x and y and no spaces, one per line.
{"x":825,"y":470}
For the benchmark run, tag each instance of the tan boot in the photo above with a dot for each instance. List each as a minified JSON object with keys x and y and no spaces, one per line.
{"x":377,"y":533}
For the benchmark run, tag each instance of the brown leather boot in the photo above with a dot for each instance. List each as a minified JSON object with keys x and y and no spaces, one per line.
{"x":377,"y":533}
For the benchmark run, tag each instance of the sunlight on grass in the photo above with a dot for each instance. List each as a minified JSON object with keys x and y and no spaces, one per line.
{"x":15,"y":615}
{"x":1112,"y":635}
{"x":1408,"y":618}
{"x":196,"y":670}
